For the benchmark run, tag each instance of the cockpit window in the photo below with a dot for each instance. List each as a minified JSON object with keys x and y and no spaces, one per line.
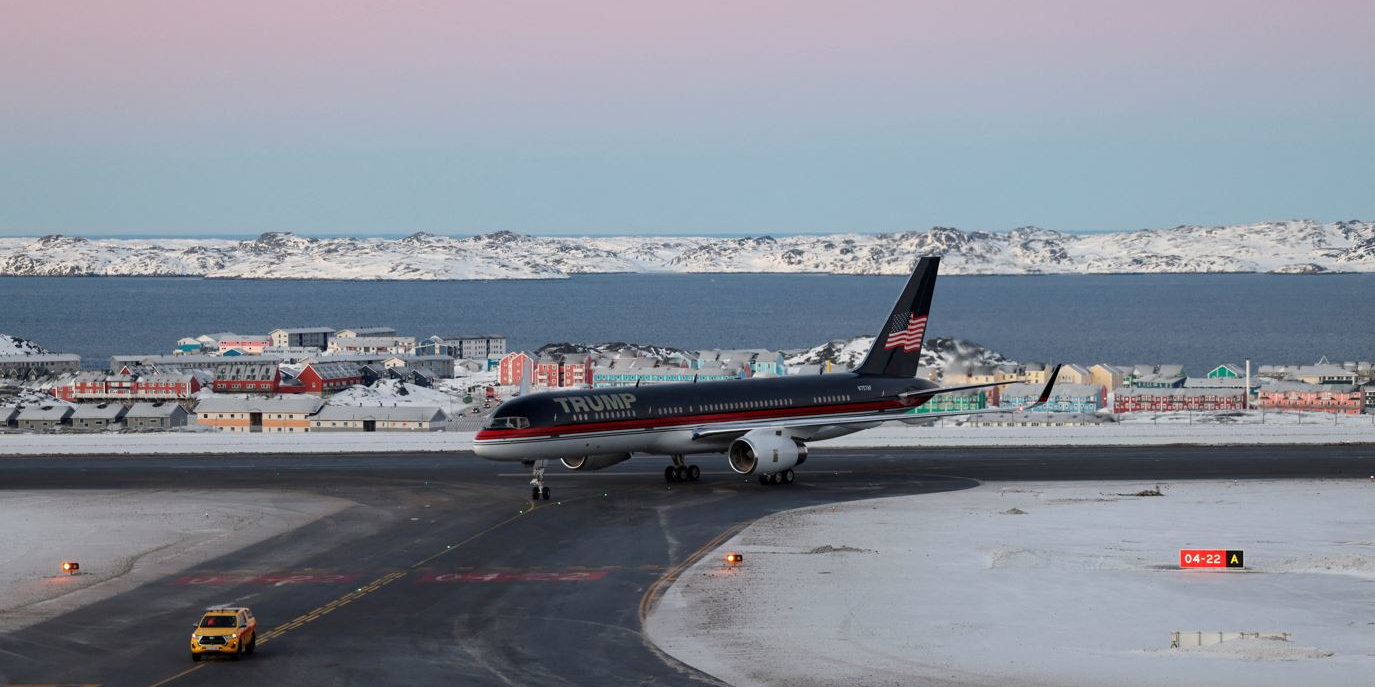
{"x":507,"y":422}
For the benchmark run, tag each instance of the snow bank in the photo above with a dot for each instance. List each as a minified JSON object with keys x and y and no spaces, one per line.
{"x":123,"y":539}
{"x":1033,"y":584}
{"x":1314,"y":428}
{"x":201,"y":442}
{"x":1278,"y":428}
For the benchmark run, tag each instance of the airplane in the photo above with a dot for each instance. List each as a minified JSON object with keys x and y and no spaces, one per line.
{"x":761,"y":424}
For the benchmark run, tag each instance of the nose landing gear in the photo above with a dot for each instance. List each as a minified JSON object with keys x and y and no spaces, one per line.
{"x":537,"y":489}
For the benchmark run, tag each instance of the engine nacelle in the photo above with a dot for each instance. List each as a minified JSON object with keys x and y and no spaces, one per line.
{"x":595,"y":462}
{"x":767,"y":451}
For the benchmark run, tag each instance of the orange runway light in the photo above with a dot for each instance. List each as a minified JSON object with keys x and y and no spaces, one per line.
{"x":734,"y":558}
{"x":70,"y":567}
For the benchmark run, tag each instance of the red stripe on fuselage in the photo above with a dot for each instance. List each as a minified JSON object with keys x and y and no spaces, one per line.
{"x":700,"y":418}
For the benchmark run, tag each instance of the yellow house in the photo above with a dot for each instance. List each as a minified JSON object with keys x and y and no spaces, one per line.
{"x":1108,"y":376}
{"x":1071,"y":373}
{"x":286,"y":413}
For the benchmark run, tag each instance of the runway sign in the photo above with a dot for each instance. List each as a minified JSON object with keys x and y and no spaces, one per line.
{"x":1211,"y":558}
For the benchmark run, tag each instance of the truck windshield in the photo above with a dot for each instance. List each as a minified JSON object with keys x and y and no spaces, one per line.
{"x":507,"y":422}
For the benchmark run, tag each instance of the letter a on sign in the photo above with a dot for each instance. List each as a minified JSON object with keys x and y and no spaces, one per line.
{"x":1235,"y":560}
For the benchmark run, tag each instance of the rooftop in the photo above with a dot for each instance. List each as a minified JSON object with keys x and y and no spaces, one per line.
{"x":45,"y":412}
{"x":98,"y":411}
{"x":304,"y":330}
{"x":155,"y":409}
{"x":292,"y":403}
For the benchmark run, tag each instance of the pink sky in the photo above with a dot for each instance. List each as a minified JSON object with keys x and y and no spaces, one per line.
{"x":569,"y":76}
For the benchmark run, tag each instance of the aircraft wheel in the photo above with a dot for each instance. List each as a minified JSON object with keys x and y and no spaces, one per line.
{"x":763,"y":479}
{"x":694,"y":473}
{"x":545,"y":493}
{"x":788,"y":476}
{"x":534,"y":493}
{"x":670,"y":474}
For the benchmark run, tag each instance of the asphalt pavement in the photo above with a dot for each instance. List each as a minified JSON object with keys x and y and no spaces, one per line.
{"x":444,"y":574}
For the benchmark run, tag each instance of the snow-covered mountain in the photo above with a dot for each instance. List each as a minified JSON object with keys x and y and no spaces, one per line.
{"x":13,"y":345}
{"x":1297,"y":246}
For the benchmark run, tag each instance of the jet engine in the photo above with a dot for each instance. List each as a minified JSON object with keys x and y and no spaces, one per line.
{"x":767,"y":451}
{"x":595,"y":462}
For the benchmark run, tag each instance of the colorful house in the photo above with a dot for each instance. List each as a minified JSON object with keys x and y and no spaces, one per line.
{"x":1064,"y":398}
{"x":1170,"y":399}
{"x":1226,"y":371}
{"x":1324,"y":398}
{"x":324,"y":379}
{"x":511,"y":370}
{"x":280,"y":414}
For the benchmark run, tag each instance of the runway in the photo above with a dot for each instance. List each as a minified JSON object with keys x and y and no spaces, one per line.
{"x":444,"y":574}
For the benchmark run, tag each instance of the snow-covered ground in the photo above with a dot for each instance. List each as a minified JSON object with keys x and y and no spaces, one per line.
{"x":1135,"y":429}
{"x":391,"y":392}
{"x":123,"y":539}
{"x":1278,"y":428}
{"x":215,"y":442}
{"x":1039,"y":584}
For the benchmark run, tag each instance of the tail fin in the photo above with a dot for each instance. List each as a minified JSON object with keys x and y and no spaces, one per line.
{"x":897,"y":349}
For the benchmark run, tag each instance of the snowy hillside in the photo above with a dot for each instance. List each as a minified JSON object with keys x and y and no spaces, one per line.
{"x":13,"y":345}
{"x":1297,"y":246}
{"x":937,"y":353}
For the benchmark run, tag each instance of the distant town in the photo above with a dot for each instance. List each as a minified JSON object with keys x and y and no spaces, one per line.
{"x":365,"y":379}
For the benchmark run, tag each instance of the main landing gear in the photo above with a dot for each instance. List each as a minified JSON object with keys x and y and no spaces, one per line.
{"x":679,"y":471}
{"x":537,"y":489}
{"x":784,"y":477}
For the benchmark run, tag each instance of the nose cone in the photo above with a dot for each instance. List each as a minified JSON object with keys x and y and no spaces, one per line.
{"x":480,"y":448}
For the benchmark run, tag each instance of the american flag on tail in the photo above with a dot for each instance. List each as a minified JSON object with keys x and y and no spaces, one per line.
{"x":906,"y":330}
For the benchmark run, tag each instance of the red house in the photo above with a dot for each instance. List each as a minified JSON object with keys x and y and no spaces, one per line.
{"x":130,"y":383}
{"x":576,"y":369}
{"x":511,"y":369}
{"x":547,"y":372}
{"x":253,"y":377}
{"x":1171,"y":399}
{"x":323,"y":379}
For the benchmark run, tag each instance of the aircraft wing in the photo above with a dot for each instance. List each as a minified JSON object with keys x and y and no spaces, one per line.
{"x":741,"y":428}
{"x":949,"y":389}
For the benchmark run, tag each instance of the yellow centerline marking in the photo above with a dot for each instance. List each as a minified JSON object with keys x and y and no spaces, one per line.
{"x":183,"y":673}
{"x":655,"y":590}
{"x":301,"y":620}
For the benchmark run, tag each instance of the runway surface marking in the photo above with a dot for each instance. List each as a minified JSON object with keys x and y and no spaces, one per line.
{"x":655,"y":590}
{"x":330,"y":607}
{"x":590,"y":576}
{"x":210,"y":579}
{"x":316,"y":614}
